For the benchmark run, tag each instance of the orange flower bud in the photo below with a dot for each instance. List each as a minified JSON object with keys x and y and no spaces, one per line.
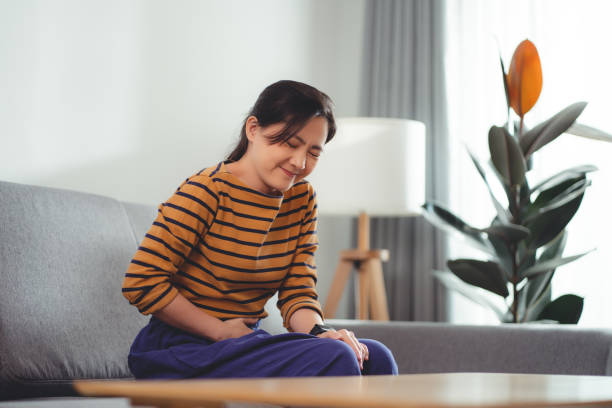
{"x":524,"y":78}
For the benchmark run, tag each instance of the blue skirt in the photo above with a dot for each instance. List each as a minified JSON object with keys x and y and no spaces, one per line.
{"x":163,"y":351}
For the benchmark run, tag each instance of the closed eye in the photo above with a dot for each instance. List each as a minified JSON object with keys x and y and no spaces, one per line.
{"x":293,"y":146}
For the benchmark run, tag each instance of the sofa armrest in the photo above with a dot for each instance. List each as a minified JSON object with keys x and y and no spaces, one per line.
{"x":421,"y":347}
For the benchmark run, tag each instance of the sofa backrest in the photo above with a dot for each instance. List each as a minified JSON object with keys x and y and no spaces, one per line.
{"x":62,"y":259}
{"x":421,"y":347}
{"x":63,"y":255}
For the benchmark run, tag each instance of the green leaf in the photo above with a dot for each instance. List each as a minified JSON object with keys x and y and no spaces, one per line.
{"x":503,"y":255}
{"x":508,"y":317}
{"x":471,"y":293}
{"x":505,"y":80}
{"x":524,"y":200}
{"x":509,"y":233}
{"x":575,"y":190}
{"x":550,"y":213}
{"x":550,"y":129}
{"x":545,"y":266}
{"x":556,"y":197}
{"x":484,"y":274}
{"x":545,"y":197}
{"x":581,"y":130}
{"x":501,"y":211}
{"x":555,"y":248}
{"x":558,"y":178}
{"x":565,"y":309}
{"x":506,"y":156}
{"x":546,"y":226}
{"x":545,"y":321}
{"x":444,"y":219}
{"x":508,"y":189}
{"x":525,"y":255}
{"x":523,"y":304}
{"x":537,"y":285}
{"x":534,"y":310}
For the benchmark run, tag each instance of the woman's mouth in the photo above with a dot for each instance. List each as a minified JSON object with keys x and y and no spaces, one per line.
{"x":288,"y":173}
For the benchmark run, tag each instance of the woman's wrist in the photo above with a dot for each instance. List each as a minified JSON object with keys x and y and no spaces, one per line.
{"x":182,"y":314}
{"x":215,"y":331}
{"x":320,"y":328}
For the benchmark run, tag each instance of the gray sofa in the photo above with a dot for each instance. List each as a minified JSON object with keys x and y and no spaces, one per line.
{"x":62,"y":316}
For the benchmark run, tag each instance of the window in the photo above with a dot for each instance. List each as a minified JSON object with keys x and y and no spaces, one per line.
{"x":572,"y":38}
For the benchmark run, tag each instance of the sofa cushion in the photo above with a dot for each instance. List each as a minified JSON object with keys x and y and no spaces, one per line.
{"x":62,"y":316}
{"x":421,"y":347}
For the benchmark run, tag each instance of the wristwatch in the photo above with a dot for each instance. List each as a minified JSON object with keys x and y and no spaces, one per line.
{"x":320,"y":328}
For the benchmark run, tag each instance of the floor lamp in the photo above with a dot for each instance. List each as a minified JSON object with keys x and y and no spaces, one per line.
{"x":374,"y":166}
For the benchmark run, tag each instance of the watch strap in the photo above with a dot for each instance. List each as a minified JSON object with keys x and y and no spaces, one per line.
{"x":319,"y":328}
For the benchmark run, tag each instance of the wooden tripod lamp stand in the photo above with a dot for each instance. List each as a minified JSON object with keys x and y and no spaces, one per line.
{"x":375,"y":165}
{"x":372,"y":302}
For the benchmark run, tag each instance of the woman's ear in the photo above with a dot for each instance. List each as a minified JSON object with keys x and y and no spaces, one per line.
{"x":251,"y":127}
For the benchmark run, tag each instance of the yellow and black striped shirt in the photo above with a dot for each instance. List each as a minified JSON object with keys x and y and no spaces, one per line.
{"x":228,"y":248}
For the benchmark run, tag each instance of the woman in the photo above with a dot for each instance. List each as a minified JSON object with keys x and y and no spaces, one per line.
{"x":230,"y":237}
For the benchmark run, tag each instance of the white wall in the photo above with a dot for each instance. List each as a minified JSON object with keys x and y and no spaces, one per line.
{"x":128,"y":98}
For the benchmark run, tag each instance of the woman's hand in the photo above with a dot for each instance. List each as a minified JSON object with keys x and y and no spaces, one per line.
{"x":234,"y":328}
{"x":360,"y":349}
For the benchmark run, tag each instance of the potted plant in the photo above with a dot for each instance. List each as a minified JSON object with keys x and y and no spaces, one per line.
{"x":526,"y":238}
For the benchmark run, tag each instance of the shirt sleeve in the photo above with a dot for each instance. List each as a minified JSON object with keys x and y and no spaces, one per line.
{"x":176,"y":231}
{"x":298,"y":288}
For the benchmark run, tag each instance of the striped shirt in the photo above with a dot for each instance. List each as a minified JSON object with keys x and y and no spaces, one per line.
{"x":228,"y":248}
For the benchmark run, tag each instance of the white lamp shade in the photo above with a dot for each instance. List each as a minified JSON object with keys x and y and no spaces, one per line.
{"x":375,"y":165}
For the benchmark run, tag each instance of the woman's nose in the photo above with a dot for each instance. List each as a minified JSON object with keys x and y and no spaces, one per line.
{"x":298,"y":159}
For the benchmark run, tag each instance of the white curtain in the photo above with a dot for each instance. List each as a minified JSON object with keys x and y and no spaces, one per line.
{"x":573,"y":40}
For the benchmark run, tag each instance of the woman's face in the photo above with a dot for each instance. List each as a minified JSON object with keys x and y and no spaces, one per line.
{"x":277,"y":167}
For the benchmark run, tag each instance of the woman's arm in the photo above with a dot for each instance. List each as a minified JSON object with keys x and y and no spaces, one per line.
{"x":183,"y":314}
{"x":304,"y":319}
{"x":297,"y":291}
{"x":180,"y":223}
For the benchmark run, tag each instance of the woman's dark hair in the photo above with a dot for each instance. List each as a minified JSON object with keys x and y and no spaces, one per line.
{"x":293,"y":103}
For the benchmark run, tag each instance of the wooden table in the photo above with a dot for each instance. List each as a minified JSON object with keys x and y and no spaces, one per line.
{"x":414,"y":390}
